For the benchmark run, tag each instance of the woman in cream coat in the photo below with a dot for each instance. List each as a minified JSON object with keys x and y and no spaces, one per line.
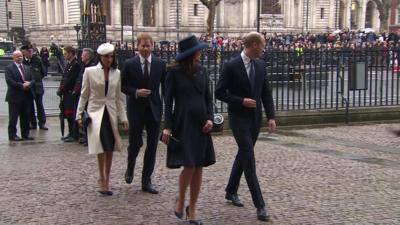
{"x":101,"y":91}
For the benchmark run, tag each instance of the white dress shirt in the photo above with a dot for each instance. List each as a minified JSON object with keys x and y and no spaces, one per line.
{"x":246,"y":61}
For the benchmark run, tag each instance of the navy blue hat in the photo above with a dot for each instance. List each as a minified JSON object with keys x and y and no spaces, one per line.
{"x":188,"y":46}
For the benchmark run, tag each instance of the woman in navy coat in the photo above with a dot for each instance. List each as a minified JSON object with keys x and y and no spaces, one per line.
{"x":188,"y":122}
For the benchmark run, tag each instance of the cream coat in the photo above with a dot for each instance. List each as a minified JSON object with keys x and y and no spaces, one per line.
{"x":93,"y":93}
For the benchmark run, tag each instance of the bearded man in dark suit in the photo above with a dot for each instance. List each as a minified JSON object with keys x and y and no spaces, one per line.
{"x":141,"y":78}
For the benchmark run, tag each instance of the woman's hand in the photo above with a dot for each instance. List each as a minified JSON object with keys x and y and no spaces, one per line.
{"x":165,"y":136}
{"x":79,"y":121}
{"x":207,"y":127}
{"x":125,"y":126}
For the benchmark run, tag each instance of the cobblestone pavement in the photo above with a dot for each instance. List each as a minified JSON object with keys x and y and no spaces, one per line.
{"x":334,"y":175}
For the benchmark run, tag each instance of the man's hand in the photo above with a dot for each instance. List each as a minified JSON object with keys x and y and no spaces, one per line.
{"x":271,"y":125}
{"x":144,"y":93}
{"x":79,"y":121}
{"x":26,"y":85}
{"x":249,"y":103}
{"x":125,"y":126}
{"x":207,"y":127}
{"x":165,"y":136}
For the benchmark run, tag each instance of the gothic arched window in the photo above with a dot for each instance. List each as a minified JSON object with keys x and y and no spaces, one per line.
{"x":270,"y":7}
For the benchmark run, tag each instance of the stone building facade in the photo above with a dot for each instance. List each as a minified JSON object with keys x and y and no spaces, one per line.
{"x":15,"y":15}
{"x":54,"y":20}
{"x":394,"y":20}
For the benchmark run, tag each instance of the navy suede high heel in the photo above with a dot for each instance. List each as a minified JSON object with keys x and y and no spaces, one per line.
{"x":194,"y":222}
{"x":179,"y":215}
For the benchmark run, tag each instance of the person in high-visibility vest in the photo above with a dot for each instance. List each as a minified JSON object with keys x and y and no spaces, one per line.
{"x":2,"y":52}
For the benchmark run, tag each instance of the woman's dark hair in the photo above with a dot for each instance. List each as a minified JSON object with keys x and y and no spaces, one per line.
{"x":189,"y":65}
{"x":114,"y":64}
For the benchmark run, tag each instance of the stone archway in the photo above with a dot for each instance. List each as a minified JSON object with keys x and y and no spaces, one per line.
{"x":355,"y":15}
{"x":371,"y":15}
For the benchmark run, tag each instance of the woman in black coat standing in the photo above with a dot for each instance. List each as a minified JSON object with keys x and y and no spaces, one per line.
{"x":188,"y":123}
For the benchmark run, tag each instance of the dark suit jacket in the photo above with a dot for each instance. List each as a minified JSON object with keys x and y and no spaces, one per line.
{"x":70,"y":76}
{"x":132,"y":79}
{"x":37,"y":73}
{"x":15,"y":90}
{"x":234,"y":85}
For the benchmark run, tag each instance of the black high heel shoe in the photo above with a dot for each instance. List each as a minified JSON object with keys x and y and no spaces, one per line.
{"x":179,"y":215}
{"x":195,"y":222}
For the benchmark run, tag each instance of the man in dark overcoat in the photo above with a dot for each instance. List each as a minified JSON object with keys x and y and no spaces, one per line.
{"x":141,"y":78}
{"x":244,"y":86}
{"x":66,"y":92}
{"x":88,"y":59}
{"x":19,"y":97}
{"x":36,"y":67}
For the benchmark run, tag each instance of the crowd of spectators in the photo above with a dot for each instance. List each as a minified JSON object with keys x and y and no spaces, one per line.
{"x":288,"y":41}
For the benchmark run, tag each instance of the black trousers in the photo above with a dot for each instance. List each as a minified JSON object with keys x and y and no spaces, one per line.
{"x":41,"y":115}
{"x":246,"y":135}
{"x":19,"y":109}
{"x":136,"y":128}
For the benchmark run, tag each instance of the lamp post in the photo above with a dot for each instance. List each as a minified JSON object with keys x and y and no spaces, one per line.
{"x":22,"y":15}
{"x":258,"y":16}
{"x":177,"y":19}
{"x":77,"y":28}
{"x":307,"y":11}
{"x":8,"y":25}
{"x":133,"y":20}
{"x":122,"y":21}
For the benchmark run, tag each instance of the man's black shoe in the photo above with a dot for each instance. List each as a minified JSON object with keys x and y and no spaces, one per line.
{"x":69,"y":139}
{"x":128,"y":176}
{"x":262,"y":214}
{"x":15,"y":138}
{"x":43,"y":127}
{"x":66,"y":137}
{"x":149,"y":188}
{"x":234,"y":199}
{"x":82,"y":140}
{"x":28,"y":138}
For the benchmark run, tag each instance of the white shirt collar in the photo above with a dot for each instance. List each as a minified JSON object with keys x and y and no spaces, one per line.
{"x":245,"y":58}
{"x":142,"y":59}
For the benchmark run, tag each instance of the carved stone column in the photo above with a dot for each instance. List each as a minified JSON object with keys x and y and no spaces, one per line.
{"x":39,"y":11}
{"x":221,"y":14}
{"x":116,"y":13}
{"x":362,"y":15}
{"x":56,"y":11}
{"x":48,"y":12}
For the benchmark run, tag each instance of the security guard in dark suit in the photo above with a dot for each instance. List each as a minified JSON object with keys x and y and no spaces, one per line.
{"x":36,"y":67}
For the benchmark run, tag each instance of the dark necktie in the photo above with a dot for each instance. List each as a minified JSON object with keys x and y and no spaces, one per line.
{"x":146,"y":68}
{"x":146,"y":73}
{"x":252,"y":74}
{"x":22,"y":72}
